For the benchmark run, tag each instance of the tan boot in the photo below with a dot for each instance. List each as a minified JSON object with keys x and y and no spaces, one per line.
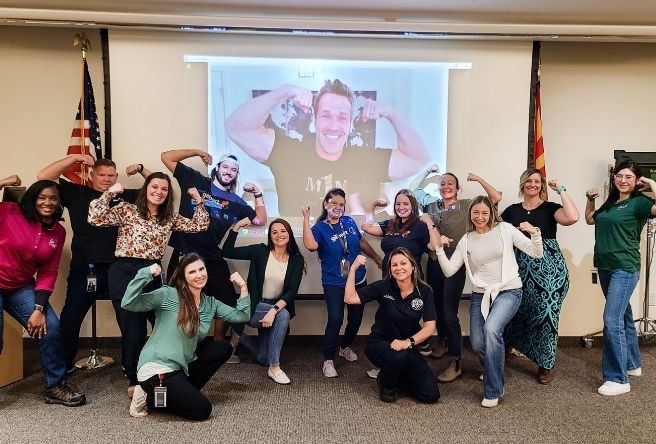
{"x":451,"y":373}
{"x":439,"y":350}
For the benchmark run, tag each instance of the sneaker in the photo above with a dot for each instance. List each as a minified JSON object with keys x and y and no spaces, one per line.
{"x":610,"y":388}
{"x":386,"y":395}
{"x":425,"y":349}
{"x":279,"y":376}
{"x":348,"y":354}
{"x":373,"y":373}
{"x":138,"y":403}
{"x":490,"y":403}
{"x":62,"y":393}
{"x":233,"y":359}
{"x":439,"y":351}
{"x":451,"y":373}
{"x":329,"y":369}
{"x":634,"y":372}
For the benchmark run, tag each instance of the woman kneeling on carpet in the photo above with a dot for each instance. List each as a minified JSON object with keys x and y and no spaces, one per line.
{"x":404,"y":300}
{"x":178,"y":359}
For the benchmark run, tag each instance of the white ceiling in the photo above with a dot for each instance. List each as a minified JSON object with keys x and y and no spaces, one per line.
{"x":568,"y":19}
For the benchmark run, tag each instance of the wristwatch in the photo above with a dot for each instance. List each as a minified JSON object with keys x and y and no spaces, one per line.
{"x":276,"y":308}
{"x":561,"y":189}
{"x":38,"y":307}
{"x":411,"y":340}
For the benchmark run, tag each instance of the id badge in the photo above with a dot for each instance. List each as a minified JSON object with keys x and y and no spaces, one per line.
{"x":344,"y":266}
{"x":160,"y":397}
{"x":92,"y":283}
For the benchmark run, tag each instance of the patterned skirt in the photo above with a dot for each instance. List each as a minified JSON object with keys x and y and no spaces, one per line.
{"x":534,"y":329}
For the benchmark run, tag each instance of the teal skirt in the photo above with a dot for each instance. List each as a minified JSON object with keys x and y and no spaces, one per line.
{"x":534,"y":329}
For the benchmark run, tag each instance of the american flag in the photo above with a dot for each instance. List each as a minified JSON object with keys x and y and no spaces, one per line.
{"x":78,"y":173}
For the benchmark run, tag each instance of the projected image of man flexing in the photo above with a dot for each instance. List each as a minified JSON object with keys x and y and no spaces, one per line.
{"x":305,"y":169}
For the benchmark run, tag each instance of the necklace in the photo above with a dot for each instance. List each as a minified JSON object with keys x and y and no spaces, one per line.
{"x":282,"y":265}
{"x":528,"y":210}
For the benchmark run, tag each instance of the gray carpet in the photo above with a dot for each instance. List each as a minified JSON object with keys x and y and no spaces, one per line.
{"x":248,"y":407}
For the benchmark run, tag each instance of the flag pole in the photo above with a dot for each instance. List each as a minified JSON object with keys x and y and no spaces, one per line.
{"x":83,"y":41}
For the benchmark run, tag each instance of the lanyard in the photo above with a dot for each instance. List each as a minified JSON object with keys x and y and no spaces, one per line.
{"x":342,"y":239}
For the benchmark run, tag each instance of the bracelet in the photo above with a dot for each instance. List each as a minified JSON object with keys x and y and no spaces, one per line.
{"x":276,"y":308}
{"x":561,"y":189}
{"x":590,"y":198}
{"x":140,"y":169}
{"x":257,"y":195}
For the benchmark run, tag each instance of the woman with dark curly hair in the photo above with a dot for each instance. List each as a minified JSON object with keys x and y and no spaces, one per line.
{"x":31,"y":242}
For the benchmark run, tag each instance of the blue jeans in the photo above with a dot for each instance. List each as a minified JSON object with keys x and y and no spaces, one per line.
{"x":20,"y":305}
{"x":486,"y":337}
{"x":270,"y":339}
{"x":335,"y":304}
{"x":621,"y":351}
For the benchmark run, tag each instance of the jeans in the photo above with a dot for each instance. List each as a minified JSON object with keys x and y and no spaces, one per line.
{"x":20,"y":305}
{"x":621,"y":351}
{"x":447,"y":293}
{"x":335,"y":304}
{"x":78,"y":302}
{"x":405,"y":370}
{"x":183,"y":396}
{"x":486,"y":337}
{"x":270,"y":339}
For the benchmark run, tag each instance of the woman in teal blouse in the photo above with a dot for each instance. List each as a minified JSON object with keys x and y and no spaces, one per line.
{"x":178,"y":356}
{"x":273,"y":280}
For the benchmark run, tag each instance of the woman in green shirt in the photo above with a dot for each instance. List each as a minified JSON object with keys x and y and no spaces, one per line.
{"x":178,"y":356}
{"x":618,"y":224}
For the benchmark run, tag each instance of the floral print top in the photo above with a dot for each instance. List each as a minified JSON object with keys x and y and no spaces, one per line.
{"x":138,"y":237}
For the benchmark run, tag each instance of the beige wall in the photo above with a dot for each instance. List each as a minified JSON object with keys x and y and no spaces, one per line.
{"x":596,"y":98}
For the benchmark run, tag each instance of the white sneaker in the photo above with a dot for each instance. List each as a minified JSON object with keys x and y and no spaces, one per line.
{"x":279,"y":376}
{"x":610,"y":388}
{"x":233,"y":359}
{"x":329,"y":369}
{"x":138,"y":403}
{"x":348,"y":354}
{"x":490,"y":403}
{"x":635,"y":372}
{"x":373,"y":373}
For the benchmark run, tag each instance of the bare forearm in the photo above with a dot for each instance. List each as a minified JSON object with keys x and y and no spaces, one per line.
{"x":570,"y":211}
{"x":492,"y":193}
{"x":369,"y":251}
{"x":260,"y":213}
{"x":252,"y":114}
{"x":411,"y":152}
{"x":309,"y":241}
{"x":350,"y":293}
{"x":56,"y":169}
{"x":172,"y":157}
{"x":589,"y":211}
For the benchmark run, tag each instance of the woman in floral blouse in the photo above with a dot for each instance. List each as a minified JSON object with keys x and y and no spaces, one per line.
{"x":143,"y":233}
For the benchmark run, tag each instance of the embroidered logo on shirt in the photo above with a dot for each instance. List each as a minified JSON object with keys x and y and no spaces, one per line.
{"x":417,"y":304}
{"x":389,"y":296}
{"x":53,"y":244}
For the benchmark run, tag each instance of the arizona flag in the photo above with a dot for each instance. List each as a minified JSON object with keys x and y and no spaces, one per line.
{"x":538,"y":144}
{"x":90,"y":143}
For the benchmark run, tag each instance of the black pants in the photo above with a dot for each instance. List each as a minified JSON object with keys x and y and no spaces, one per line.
{"x":132,"y":324}
{"x":447,"y":293}
{"x":404,"y":370}
{"x":78,"y":302}
{"x":183,"y":392}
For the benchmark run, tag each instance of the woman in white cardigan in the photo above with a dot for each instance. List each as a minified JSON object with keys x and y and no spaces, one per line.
{"x":487,"y":253}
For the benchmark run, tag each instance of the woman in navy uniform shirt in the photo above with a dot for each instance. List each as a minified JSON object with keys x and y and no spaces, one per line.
{"x":404,"y":300}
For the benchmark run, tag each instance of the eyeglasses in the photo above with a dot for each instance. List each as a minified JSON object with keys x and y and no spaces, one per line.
{"x":627,"y":177}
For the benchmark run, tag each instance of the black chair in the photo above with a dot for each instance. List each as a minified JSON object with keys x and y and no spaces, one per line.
{"x":96,"y":360}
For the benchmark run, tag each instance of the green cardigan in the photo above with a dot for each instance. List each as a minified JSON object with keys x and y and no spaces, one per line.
{"x":258,"y":254}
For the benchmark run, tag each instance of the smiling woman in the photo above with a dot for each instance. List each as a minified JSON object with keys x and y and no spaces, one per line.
{"x":143,"y":232}
{"x":404,"y":299}
{"x":31,"y":243}
{"x":178,"y":359}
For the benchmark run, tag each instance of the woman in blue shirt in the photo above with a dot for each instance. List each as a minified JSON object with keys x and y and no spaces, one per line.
{"x":338,"y":241}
